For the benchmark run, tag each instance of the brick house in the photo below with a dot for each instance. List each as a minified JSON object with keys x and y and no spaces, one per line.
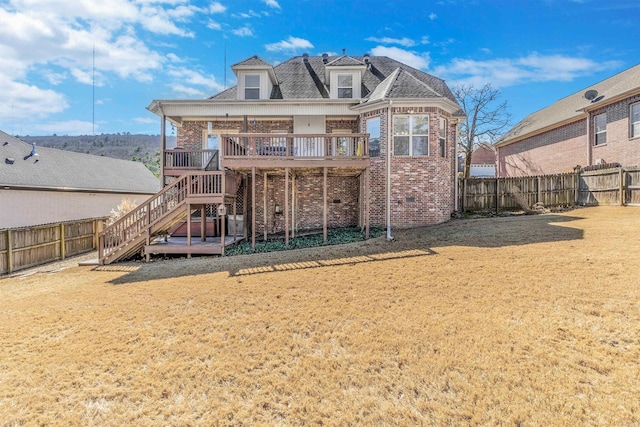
{"x":319,"y":142}
{"x":600,"y":124}
{"x":483,"y":161}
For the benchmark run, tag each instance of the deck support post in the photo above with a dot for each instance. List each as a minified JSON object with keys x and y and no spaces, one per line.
{"x":265,"y":188}
{"x":189,"y":228}
{"x":293,"y":205}
{"x":324,"y":205}
{"x":235,"y":224}
{"x":286,"y":206}
{"x":245,"y":210}
{"x":366,"y":203}
{"x":253,"y":207}
{"x":163,"y":142}
{"x":203,"y":223}
{"x":222,"y":234}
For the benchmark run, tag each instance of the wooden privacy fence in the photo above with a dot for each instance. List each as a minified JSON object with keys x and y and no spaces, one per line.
{"x":30,"y":246}
{"x":496,"y":194}
{"x":612,"y":186}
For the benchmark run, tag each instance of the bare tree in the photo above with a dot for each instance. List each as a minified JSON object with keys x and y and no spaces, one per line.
{"x":487,"y":118}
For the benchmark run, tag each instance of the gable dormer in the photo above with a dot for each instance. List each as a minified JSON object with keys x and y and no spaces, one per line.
{"x":344,"y":77}
{"x":256,"y":78}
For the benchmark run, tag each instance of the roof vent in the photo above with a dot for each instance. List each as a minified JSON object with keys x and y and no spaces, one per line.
{"x":9,"y":161}
{"x":305,"y":57}
{"x":325,"y":58}
{"x":5,"y":143}
{"x":366,"y":58}
{"x":344,"y":51}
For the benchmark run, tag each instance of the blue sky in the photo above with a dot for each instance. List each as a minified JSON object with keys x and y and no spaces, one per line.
{"x":535,"y":51}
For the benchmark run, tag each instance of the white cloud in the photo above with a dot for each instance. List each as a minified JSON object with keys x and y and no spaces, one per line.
{"x":415,"y":60}
{"x":187,"y":76}
{"x":432,"y":16}
{"x":291,"y":44}
{"x":406,"y":42}
{"x":214,"y":25}
{"x":188,"y":91}
{"x":272,"y":3}
{"x":534,"y":67}
{"x":55,"y":40}
{"x":243,"y":31}
{"x":216,"y":7}
{"x":424,"y":40}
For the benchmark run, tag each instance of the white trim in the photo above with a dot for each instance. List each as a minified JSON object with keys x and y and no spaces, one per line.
{"x":410,"y":134}
{"x":632,"y":123}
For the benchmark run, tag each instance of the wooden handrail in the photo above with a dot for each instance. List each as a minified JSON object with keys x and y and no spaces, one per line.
{"x":156,"y":208}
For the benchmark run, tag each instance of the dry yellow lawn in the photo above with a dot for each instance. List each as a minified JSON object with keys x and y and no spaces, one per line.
{"x":516,"y":321}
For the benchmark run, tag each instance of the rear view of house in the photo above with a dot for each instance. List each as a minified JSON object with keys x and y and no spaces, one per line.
{"x":313,"y":143}
{"x":597,"y":125}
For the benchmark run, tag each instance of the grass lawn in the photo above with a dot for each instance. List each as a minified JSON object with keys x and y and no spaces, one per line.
{"x":528,"y":320}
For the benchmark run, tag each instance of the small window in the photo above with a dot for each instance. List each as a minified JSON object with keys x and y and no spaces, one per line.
{"x":443,"y":137}
{"x":634,"y":120}
{"x":411,"y":135}
{"x":345,"y":86}
{"x":252,"y":86}
{"x":373,"y":129}
{"x":600,"y":129}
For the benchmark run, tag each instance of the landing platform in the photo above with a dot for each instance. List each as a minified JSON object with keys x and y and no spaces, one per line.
{"x":179,"y":245}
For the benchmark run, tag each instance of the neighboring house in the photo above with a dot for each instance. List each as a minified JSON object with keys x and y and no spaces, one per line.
{"x":483,"y":161}
{"x":315,"y":143}
{"x":55,"y":186}
{"x":597,"y":125}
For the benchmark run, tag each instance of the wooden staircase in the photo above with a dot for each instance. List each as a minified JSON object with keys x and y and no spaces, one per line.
{"x":131,"y":233}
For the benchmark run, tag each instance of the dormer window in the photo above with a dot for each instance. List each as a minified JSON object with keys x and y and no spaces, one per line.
{"x":345,"y":85}
{"x":252,"y":86}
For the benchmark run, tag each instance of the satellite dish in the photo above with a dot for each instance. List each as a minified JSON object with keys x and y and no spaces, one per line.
{"x":591,"y":94}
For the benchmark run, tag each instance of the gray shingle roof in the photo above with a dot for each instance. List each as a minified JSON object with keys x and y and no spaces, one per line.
{"x":571,"y":107}
{"x":253,"y":61}
{"x":306,"y":80}
{"x":345,"y":61}
{"x":58,"y":169}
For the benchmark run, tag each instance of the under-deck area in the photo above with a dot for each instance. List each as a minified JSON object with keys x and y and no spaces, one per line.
{"x":181,"y":245}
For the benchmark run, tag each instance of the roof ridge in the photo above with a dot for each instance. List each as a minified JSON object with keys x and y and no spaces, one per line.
{"x":421,"y":82}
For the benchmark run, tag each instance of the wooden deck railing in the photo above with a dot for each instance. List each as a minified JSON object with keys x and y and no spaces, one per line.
{"x":182,"y":159}
{"x":145,"y":216}
{"x":295,"y":146}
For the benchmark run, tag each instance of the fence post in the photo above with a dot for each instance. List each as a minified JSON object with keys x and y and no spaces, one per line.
{"x":622,"y":186}
{"x":497,"y":195}
{"x":539,"y":180}
{"x":576,"y":184}
{"x":62,"y":254}
{"x":9,"y":253}
{"x":464,"y":194}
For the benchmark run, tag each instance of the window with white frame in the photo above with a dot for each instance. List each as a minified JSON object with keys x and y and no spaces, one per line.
{"x":443,"y":136}
{"x":634,"y":120}
{"x":345,"y":86}
{"x":411,"y":135}
{"x":600,"y":129}
{"x":252,"y":86}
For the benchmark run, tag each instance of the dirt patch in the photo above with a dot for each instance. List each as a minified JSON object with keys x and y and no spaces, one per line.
{"x":525,"y":320}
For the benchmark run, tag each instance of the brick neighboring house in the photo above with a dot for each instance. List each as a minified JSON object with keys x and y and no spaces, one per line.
{"x":57,"y":186}
{"x":316,"y":142}
{"x":600,"y":124}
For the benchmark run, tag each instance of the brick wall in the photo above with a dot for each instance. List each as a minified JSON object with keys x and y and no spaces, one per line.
{"x":556,"y":151}
{"x":342,"y":206}
{"x":422,"y":191}
{"x":561,"y":149}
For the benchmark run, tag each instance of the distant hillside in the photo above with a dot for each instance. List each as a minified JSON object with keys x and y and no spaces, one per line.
{"x":139,"y":148}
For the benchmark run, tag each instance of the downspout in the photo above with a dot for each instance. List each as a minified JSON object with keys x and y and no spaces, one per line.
{"x":389,"y":141}
{"x":455,"y":171}
{"x":588,"y":139}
